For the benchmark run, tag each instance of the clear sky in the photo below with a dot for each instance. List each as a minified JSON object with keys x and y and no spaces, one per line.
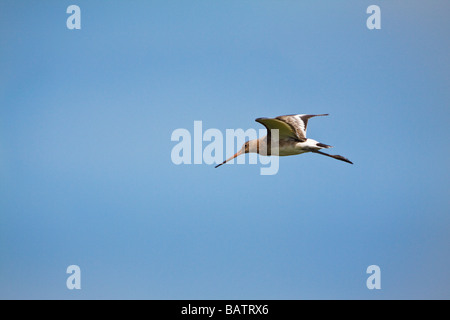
{"x":86,"y":176}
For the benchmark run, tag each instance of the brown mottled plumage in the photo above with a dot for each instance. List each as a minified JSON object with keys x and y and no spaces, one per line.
{"x":291,"y":140}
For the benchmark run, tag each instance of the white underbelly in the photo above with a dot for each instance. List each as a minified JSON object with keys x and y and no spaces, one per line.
{"x":288,"y":151}
{"x":289,"y":148}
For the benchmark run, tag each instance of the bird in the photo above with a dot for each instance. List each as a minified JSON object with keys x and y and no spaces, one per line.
{"x":291,"y":138}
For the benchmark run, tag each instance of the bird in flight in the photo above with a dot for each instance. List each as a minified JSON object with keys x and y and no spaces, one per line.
{"x":291,"y":138}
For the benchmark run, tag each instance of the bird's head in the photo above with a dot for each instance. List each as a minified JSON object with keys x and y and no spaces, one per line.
{"x":245,"y":147}
{"x":248,"y":147}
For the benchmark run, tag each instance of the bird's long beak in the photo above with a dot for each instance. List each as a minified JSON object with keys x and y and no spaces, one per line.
{"x":230,"y":158}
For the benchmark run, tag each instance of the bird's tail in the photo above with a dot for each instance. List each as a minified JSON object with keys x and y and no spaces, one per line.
{"x":323,"y":145}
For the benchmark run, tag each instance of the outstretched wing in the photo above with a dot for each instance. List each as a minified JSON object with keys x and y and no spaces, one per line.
{"x":289,"y":126}
{"x":284,"y":130}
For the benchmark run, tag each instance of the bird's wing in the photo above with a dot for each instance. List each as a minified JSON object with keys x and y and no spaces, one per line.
{"x":285,"y":130}
{"x":298,"y":122}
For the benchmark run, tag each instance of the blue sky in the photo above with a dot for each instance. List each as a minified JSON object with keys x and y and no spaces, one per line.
{"x":86,"y":176}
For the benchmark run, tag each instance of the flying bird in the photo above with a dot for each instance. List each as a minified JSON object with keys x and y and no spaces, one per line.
{"x":291,"y":138}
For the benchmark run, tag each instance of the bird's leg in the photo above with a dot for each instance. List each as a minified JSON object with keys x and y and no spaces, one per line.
{"x":337,"y":157}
